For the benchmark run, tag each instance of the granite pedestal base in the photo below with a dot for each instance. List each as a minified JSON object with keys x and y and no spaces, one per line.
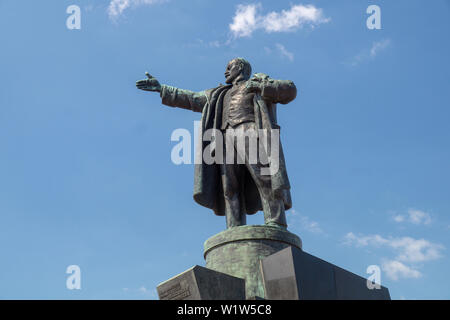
{"x":263,"y":262}
{"x":292,"y":274}
{"x":199,"y":283}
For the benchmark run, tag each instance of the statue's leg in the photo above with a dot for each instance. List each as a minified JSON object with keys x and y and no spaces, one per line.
{"x":233,"y":212}
{"x":273,"y":207}
{"x":231,"y":174}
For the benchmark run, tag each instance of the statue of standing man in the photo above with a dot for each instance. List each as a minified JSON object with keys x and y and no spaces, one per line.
{"x":248,"y":105}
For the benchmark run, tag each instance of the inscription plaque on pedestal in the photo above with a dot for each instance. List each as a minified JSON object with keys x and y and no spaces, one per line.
{"x":199,"y":283}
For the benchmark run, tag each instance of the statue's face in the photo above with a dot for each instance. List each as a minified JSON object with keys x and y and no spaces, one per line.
{"x":232,"y":72}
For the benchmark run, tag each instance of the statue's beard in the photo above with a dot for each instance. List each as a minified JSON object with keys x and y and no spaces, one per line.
{"x":231,"y":79}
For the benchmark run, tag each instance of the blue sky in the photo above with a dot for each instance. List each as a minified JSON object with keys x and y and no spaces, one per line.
{"x":85,"y":171}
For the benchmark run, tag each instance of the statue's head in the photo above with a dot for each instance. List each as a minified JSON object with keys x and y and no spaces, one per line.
{"x":238,"y":69}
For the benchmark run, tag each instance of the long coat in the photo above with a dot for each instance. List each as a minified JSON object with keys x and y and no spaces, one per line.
{"x":208,"y":189}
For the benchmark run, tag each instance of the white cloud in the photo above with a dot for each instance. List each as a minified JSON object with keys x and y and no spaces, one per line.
{"x":215,"y":44}
{"x":284,"y":52}
{"x":304,"y":222}
{"x":395,"y":270}
{"x":143,"y":289}
{"x":408,"y":249}
{"x":117,"y":7}
{"x":247,"y":19}
{"x":311,"y":226}
{"x":207,"y":44}
{"x":419,"y":217}
{"x":414,"y":216}
{"x":363,"y":241}
{"x":267,"y":50}
{"x":289,"y":20}
{"x":412,"y":250}
{"x":377,"y":47}
{"x":399,"y":218}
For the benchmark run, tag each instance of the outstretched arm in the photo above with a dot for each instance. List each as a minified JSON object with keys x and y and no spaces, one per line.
{"x":182,"y":98}
{"x":172,"y":96}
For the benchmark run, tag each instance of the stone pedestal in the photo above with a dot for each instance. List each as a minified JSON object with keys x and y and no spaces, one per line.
{"x":263,"y":262}
{"x":292,"y":274}
{"x":199,"y":283}
{"x":238,"y":251}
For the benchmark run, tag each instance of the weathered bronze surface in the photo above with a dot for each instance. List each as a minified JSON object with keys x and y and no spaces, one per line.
{"x":238,"y":252}
{"x":245,"y":103}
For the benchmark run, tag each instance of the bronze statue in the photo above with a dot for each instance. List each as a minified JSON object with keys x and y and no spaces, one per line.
{"x":245,"y":103}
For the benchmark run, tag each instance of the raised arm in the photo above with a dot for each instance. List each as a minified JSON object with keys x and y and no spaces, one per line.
{"x":172,"y":96}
